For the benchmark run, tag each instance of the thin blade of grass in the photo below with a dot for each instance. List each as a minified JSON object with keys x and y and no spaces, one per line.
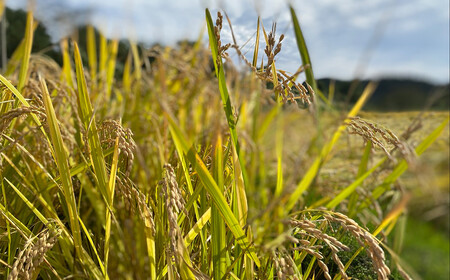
{"x":103,"y":59}
{"x":23,"y":72}
{"x":67,"y":66}
{"x":111,"y":67}
{"x":218,"y":234}
{"x":240,"y":210}
{"x":91,"y":242}
{"x":361,"y":170}
{"x":111,"y":187}
{"x":88,"y":120}
{"x":256,"y":49}
{"x":301,"y":44}
{"x":61,"y":158}
{"x":91,"y":47}
{"x":15,"y":58}
{"x":126,"y":78}
{"x":137,"y":62}
{"x":197,"y":228}
{"x":8,"y":228}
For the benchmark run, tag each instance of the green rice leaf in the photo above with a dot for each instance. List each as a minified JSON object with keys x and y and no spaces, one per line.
{"x":212,"y":188}
{"x":91,"y":47}
{"x":218,"y":234}
{"x":111,"y":187}
{"x":301,"y":44}
{"x":88,"y":120}
{"x":23,"y":73}
{"x":67,"y":67}
{"x":61,"y":158}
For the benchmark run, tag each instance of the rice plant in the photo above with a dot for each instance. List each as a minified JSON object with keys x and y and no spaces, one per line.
{"x":185,"y":168}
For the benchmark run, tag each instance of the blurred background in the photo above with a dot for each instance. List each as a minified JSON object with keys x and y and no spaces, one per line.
{"x":346,"y":39}
{"x":403,"y":43}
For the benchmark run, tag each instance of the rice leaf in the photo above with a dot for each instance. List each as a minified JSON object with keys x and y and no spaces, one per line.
{"x":218,"y":234}
{"x":111,"y":187}
{"x":91,"y":47}
{"x":88,"y":119}
{"x":91,"y":242}
{"x":61,"y":158}
{"x":126,"y":78}
{"x":212,"y":188}
{"x":256,"y":49}
{"x":196,"y":229}
{"x":137,"y":62}
{"x":23,"y":72}
{"x":8,"y":228}
{"x":15,"y":58}
{"x":67,"y":67}
{"x":301,"y":44}
{"x":38,"y":214}
{"x":361,"y":170}
{"x":103,"y":59}
{"x":111,"y":67}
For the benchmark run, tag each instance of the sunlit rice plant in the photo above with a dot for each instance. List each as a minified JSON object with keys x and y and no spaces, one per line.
{"x":186,"y":168}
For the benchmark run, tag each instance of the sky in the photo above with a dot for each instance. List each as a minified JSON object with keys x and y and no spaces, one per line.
{"x":346,"y":39}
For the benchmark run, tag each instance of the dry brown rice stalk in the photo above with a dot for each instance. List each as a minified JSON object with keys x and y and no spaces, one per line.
{"x":33,"y":254}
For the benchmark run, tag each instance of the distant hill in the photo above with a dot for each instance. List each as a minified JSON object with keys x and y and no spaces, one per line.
{"x":392,"y":94}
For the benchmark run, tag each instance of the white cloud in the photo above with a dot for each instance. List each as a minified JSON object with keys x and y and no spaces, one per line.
{"x":337,"y":32}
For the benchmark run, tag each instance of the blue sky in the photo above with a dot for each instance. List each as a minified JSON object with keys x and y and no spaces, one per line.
{"x":346,"y":38}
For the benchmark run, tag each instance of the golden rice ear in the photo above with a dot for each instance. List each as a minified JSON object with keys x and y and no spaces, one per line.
{"x":381,"y":137}
{"x":33,"y":254}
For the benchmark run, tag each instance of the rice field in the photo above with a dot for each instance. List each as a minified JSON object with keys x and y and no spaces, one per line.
{"x":183,"y":167}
